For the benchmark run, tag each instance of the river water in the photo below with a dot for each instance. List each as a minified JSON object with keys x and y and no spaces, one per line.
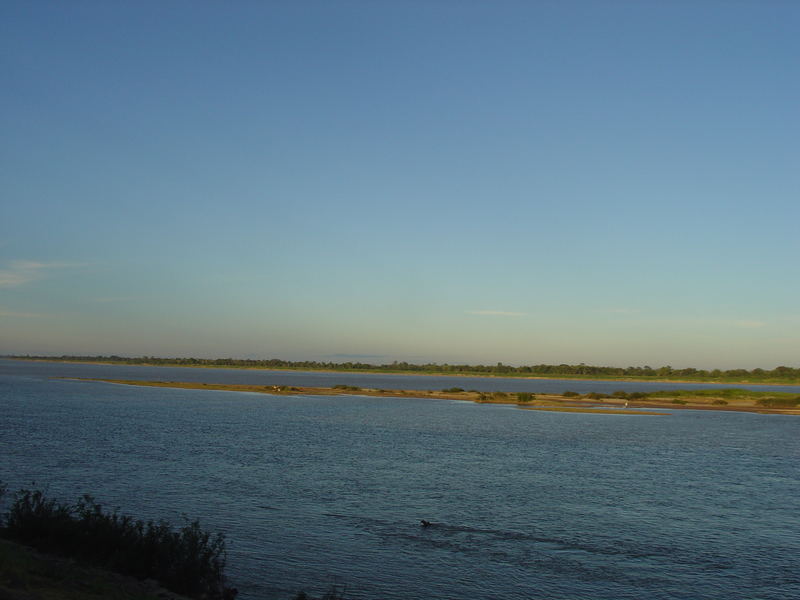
{"x":311,"y":491}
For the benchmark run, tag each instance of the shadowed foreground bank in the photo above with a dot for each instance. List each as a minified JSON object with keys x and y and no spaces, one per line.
{"x":55,"y":551}
{"x":26,"y":574}
{"x":187,"y":561}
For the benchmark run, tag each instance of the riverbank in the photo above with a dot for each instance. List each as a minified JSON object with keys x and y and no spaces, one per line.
{"x":593,"y":403}
{"x":387,"y":370}
{"x":26,"y":574}
{"x":82,"y":542}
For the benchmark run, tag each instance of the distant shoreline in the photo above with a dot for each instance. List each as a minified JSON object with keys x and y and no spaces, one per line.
{"x":565,"y":377}
{"x":546,"y":402}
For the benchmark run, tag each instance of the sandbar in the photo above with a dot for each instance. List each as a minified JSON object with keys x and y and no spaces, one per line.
{"x":552,"y":402}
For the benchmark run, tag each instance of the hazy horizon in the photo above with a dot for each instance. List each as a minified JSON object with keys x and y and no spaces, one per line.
{"x":372,"y":360}
{"x":612,"y":183}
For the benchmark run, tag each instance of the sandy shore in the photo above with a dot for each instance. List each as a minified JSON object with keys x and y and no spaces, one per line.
{"x":539,"y":402}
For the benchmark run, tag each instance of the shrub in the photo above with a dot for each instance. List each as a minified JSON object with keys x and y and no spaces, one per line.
{"x":597,"y":395}
{"x":570,"y":394}
{"x":779,"y":402}
{"x":719,"y":402}
{"x":636,"y":395}
{"x":525,"y":397}
{"x":453,"y":390}
{"x":36,"y":519}
{"x":187,"y":561}
{"x":3,"y":489}
{"x":619,"y":394}
{"x":341,"y":386}
{"x":679,"y":401}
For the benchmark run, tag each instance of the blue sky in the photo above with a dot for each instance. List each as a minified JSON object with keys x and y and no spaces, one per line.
{"x":528,"y":182}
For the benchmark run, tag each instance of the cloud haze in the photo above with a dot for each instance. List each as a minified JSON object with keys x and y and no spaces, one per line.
{"x":496,"y":313}
{"x":21,"y":272}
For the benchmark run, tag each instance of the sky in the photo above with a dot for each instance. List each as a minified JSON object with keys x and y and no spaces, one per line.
{"x":608,"y":182}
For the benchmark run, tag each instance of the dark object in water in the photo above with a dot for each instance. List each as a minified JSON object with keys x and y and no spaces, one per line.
{"x":425,"y":523}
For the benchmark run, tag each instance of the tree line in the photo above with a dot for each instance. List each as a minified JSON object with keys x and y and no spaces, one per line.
{"x":580,"y":370}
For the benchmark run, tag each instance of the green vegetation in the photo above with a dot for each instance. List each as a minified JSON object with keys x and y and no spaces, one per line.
{"x":525,"y":397}
{"x":781,"y":374}
{"x":719,"y":397}
{"x":352,"y":388}
{"x":715,"y":393}
{"x":497,"y":397}
{"x":766,"y":399}
{"x":570,"y":394}
{"x":453,"y":390}
{"x":187,"y":561}
{"x":27,"y":575}
{"x":779,"y":402}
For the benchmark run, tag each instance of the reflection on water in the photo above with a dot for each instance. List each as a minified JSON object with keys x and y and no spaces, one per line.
{"x":524,"y":504}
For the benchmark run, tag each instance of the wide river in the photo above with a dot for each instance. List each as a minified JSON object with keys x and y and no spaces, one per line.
{"x":312,"y":491}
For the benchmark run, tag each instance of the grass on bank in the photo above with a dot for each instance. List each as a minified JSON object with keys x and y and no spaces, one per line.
{"x":719,"y":396}
{"x":186,"y":560}
{"x":714,"y":397}
{"x":28,"y":575}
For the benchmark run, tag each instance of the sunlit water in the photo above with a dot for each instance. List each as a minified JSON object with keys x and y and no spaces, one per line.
{"x":315,"y":490}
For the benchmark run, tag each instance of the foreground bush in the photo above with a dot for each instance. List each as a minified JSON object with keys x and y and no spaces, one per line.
{"x":187,"y":561}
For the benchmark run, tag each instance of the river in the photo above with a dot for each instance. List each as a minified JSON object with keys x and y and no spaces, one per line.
{"x":312,"y":491}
